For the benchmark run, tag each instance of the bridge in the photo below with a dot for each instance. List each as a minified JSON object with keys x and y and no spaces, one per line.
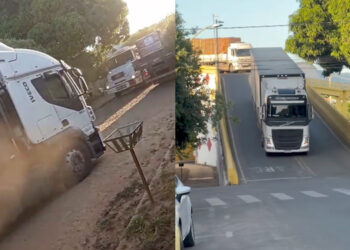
{"x":289,"y":201}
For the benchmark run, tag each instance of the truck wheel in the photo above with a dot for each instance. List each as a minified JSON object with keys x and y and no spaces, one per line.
{"x":76,"y":164}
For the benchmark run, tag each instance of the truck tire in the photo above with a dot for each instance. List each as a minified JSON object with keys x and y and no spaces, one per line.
{"x":189,"y":240}
{"x":75,"y":163}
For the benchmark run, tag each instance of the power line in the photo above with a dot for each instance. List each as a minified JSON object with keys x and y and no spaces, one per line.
{"x":270,"y":25}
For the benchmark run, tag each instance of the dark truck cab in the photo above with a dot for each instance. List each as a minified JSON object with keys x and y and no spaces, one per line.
{"x":154,"y":58}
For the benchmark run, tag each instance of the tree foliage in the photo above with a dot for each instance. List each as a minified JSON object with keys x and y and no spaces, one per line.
{"x":166,"y":28}
{"x":321,"y":33}
{"x":64,"y":28}
{"x":191,"y":114}
{"x":193,"y":107}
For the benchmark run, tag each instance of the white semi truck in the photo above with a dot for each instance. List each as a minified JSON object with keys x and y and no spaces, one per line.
{"x":131,"y":66}
{"x":43,"y":113}
{"x":280,"y":100}
{"x":122,"y":74}
{"x":237,"y":58}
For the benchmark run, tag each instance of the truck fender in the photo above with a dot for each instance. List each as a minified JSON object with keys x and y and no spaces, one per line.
{"x":71,"y":135}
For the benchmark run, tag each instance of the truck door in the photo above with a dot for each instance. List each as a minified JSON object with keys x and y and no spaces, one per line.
{"x":11,"y":131}
{"x":57,"y":89}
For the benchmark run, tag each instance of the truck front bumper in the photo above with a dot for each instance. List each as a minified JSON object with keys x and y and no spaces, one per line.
{"x":124,"y":85}
{"x":96,"y":144}
{"x":286,"y":151}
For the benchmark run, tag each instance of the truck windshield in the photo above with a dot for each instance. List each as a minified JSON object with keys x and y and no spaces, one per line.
{"x":294,"y":110}
{"x":120,"y":59}
{"x":243,"y":52}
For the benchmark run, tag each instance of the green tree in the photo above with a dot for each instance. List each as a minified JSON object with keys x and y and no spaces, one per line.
{"x":321,"y":33}
{"x":65,"y":28}
{"x":193,"y":107}
{"x":191,"y":114}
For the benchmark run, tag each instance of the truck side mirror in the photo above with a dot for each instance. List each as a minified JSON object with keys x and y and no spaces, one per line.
{"x":262,"y":112}
{"x":311,"y":112}
{"x":83,"y":85}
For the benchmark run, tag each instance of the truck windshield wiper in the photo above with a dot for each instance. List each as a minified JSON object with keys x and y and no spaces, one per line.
{"x":287,"y":123}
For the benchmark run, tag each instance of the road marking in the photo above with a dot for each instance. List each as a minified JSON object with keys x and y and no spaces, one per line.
{"x":228,"y":234}
{"x":120,"y":112}
{"x":282,"y":196}
{"x":248,"y":198}
{"x":285,"y":178}
{"x":313,"y":194}
{"x":268,"y":169}
{"x":215,"y":201}
{"x":342,"y":190}
{"x":304,"y":166}
{"x":227,"y":217}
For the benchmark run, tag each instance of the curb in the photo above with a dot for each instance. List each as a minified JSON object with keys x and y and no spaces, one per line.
{"x":232,"y":175}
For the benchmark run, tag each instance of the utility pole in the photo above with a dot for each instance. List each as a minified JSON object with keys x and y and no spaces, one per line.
{"x":216,"y":25}
{"x":216,"y":35}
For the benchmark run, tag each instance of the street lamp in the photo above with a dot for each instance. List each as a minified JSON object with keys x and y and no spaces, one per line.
{"x":216,"y":24}
{"x":212,"y":26}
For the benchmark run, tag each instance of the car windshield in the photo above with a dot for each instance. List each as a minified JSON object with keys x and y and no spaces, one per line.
{"x":287,"y":111}
{"x":120,"y":59}
{"x":243,"y":52}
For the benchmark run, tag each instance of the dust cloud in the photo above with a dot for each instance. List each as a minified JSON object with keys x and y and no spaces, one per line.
{"x":27,"y":181}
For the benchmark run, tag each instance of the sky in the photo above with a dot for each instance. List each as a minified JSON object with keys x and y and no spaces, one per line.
{"x":199,"y":13}
{"x":143,"y":13}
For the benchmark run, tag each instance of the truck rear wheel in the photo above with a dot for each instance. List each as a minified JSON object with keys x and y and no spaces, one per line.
{"x":76,"y":163}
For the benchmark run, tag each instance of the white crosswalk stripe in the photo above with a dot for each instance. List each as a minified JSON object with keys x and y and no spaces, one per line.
{"x":248,"y":198}
{"x":342,"y":190}
{"x":215,"y":201}
{"x":282,"y":196}
{"x":313,"y":194}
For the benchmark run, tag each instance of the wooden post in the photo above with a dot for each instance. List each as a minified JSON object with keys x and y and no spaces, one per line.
{"x":138,"y":166}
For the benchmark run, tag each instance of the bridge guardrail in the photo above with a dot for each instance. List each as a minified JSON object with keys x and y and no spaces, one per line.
{"x":339,"y":92}
{"x":339,"y":124}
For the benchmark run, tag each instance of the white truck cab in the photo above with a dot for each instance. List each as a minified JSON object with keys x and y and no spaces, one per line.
{"x":42,"y":108}
{"x":285,"y":115}
{"x":282,"y":107}
{"x":122,"y":74}
{"x":239,"y":57}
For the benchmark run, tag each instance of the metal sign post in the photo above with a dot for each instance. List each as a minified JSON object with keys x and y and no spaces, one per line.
{"x":125,"y":138}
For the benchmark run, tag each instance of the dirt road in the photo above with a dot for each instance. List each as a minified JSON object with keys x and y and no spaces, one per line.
{"x":72,"y":220}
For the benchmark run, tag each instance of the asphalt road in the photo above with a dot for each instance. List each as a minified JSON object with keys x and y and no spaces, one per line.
{"x":303,"y":214}
{"x":327,"y":156}
{"x":284,"y":201}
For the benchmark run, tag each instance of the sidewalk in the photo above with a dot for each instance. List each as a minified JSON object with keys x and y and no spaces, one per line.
{"x":195,"y":175}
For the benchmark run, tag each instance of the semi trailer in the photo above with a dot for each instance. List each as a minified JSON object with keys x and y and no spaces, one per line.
{"x":232,"y":56}
{"x":280,"y":101}
{"x":43,"y":113}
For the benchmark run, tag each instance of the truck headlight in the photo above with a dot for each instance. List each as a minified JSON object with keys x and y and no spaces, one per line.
{"x":133,"y":77}
{"x":305,"y":142}
{"x":269,"y":142}
{"x":107,"y":87}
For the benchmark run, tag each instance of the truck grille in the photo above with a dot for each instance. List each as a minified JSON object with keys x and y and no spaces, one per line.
{"x":117,"y":76}
{"x":287,"y":139}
